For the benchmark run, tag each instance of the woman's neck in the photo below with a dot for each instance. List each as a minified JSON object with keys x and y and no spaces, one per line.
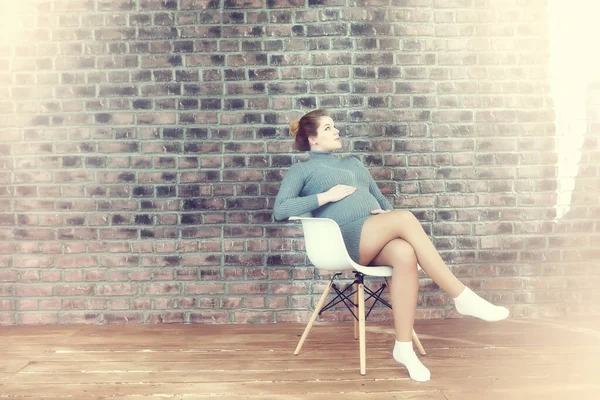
{"x":314,"y":154}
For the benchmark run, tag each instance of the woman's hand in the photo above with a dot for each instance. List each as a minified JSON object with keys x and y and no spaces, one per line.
{"x":380,"y":211}
{"x":339,"y":192}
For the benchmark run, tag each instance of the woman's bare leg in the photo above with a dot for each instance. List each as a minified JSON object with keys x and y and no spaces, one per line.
{"x":405,"y":285}
{"x":404,"y":292}
{"x":380,"y":229}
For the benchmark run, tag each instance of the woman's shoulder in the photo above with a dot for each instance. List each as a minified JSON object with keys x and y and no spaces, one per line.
{"x":298,"y":167}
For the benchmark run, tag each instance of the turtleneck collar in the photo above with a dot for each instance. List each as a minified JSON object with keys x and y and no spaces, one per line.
{"x":321,"y":155}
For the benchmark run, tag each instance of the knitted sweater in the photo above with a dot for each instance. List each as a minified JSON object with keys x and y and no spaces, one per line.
{"x":303,"y":181}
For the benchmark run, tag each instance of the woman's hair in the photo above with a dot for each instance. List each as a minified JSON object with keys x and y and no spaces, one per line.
{"x":306,"y":127}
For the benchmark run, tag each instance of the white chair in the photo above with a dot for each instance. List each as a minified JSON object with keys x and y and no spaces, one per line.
{"x":326,"y":251}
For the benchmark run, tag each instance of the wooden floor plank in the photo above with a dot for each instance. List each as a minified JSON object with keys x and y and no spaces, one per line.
{"x":13,"y":365}
{"x":399,"y":395}
{"x":567,"y":373}
{"x":299,"y":363}
{"x":444,"y":383}
{"x":576,"y":392}
{"x":422,"y":395}
{"x":346,"y":355}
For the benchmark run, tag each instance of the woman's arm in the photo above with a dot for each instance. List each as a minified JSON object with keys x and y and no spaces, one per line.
{"x":288,"y":203}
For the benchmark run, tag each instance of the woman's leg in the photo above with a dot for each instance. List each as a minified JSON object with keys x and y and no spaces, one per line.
{"x":405,"y":284}
{"x":378,"y":230}
{"x":404,"y":292}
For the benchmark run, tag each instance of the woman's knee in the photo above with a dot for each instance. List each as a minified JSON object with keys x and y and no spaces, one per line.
{"x":403,"y":254}
{"x":404,"y":216}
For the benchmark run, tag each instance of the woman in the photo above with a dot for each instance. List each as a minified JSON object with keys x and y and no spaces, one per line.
{"x":342,"y":189}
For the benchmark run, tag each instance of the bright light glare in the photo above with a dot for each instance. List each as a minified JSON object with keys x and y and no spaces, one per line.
{"x":574,"y":64}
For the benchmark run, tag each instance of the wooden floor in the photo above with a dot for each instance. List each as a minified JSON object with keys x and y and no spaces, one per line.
{"x":468,"y":359}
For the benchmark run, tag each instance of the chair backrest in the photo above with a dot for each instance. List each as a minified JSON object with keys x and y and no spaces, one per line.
{"x":324,"y":244}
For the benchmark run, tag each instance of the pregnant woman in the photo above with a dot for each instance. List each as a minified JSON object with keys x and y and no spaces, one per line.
{"x":374,"y":233}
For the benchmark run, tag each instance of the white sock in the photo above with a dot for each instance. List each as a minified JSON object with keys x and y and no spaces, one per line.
{"x":469,"y":303}
{"x":405,"y":355}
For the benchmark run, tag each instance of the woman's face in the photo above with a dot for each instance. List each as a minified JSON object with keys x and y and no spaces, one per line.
{"x":328,"y":137}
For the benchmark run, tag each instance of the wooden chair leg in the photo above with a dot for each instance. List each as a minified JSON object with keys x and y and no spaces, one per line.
{"x":313,"y":317}
{"x":418,"y":343}
{"x":415,"y":338}
{"x":356,"y":311}
{"x":362,"y":340}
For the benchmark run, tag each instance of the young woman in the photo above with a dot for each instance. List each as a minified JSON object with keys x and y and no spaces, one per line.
{"x":374,"y":233}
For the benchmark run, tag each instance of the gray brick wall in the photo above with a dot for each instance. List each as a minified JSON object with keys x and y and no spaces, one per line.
{"x":142,"y":144}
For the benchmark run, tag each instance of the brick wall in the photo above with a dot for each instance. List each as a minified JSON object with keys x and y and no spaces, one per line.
{"x":142,"y":144}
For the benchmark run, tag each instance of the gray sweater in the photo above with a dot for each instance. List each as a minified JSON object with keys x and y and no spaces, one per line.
{"x":303,"y":181}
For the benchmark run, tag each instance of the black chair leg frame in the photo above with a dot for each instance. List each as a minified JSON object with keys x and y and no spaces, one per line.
{"x":346,"y":298}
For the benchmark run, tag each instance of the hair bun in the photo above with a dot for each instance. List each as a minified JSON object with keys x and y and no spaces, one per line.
{"x":294,"y":127}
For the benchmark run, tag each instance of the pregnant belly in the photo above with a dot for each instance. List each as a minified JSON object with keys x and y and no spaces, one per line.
{"x":356,"y":206}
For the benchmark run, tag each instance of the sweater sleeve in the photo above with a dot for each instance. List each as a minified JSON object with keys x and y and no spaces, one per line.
{"x":288,"y":203}
{"x":374,"y":189}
